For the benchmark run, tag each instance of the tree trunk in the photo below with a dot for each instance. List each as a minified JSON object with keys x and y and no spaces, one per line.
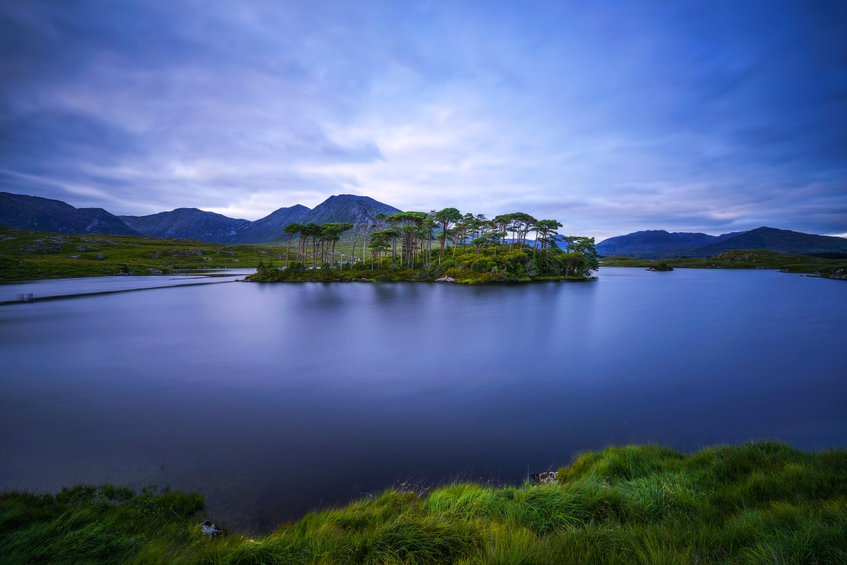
{"x":287,"y":249}
{"x":353,"y":249}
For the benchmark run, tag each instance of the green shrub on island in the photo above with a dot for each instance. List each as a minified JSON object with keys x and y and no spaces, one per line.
{"x":468,"y":267}
{"x":754,"y":503}
{"x":496,"y":264}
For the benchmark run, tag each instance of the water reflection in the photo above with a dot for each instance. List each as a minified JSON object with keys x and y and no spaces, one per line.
{"x":274,"y":399}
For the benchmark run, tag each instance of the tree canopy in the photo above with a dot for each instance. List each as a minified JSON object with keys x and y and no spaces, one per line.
{"x":497,"y":250}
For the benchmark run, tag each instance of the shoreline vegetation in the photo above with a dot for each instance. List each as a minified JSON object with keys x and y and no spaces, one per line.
{"x":30,"y":255}
{"x":406,"y":246}
{"x":498,"y":263}
{"x":824,"y":266}
{"x":761,"y":502}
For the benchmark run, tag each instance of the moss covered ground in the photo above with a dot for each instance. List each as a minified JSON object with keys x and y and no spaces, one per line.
{"x":753,"y":503}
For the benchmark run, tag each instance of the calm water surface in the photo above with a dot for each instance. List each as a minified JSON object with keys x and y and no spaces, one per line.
{"x":14,"y":292}
{"x":275,"y":399}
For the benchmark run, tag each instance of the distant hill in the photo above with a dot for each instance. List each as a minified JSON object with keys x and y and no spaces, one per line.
{"x":772,"y":239}
{"x":47,"y":215}
{"x":191,"y":223}
{"x":651,"y":241}
{"x":661,"y":244}
{"x":270,"y":227}
{"x":358,"y":210}
{"x":188,"y":223}
{"x":43,"y":214}
{"x":207,"y":226}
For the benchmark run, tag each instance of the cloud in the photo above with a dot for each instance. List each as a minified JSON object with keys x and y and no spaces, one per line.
{"x":611,"y":118}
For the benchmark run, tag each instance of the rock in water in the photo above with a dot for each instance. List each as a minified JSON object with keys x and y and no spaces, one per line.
{"x":209,"y":529}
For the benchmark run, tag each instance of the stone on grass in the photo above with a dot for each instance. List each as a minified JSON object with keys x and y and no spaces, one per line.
{"x":545,"y":478}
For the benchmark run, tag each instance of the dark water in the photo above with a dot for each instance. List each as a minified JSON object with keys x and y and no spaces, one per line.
{"x":275,"y":399}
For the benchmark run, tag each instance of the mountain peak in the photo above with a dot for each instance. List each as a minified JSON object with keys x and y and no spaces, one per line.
{"x":358,"y":210}
{"x":649,"y":241}
{"x":347,"y":197}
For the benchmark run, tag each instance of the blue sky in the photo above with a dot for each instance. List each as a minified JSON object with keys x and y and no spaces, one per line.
{"x":608,"y":116}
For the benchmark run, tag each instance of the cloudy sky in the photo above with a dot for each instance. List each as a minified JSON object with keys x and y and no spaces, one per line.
{"x":608,"y":116}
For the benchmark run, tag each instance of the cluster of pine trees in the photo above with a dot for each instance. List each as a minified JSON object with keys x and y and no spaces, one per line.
{"x":323,"y":238}
{"x":414,"y":230}
{"x":522,"y":245}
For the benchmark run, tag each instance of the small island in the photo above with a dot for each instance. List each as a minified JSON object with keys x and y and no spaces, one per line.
{"x":444,"y":246}
{"x":660,"y":266}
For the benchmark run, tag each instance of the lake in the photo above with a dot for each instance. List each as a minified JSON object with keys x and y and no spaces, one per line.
{"x":275,"y":399}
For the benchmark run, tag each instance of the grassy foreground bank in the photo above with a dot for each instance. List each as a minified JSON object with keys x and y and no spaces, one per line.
{"x":755,"y":503}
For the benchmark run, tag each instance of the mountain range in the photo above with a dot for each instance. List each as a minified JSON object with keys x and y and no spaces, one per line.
{"x":216,"y":228}
{"x":44,"y":214}
{"x":659,"y":244}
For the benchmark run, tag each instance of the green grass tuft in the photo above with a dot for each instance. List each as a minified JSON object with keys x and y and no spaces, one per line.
{"x":754,"y":503}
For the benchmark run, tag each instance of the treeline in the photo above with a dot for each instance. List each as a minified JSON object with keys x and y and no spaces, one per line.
{"x":410,"y":235}
{"x":423,"y":246}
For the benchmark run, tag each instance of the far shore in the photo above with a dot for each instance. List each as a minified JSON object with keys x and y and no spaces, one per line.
{"x":824,"y":267}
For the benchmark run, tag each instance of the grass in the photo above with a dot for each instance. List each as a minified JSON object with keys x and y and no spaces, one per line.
{"x":755,"y":503}
{"x":96,"y":525}
{"x":745,"y":259}
{"x":28,"y":255}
